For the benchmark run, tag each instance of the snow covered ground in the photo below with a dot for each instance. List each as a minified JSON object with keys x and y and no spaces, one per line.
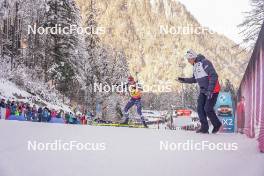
{"x":127,"y":152}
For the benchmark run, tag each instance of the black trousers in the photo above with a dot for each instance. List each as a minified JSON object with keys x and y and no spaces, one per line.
{"x":206,"y":109}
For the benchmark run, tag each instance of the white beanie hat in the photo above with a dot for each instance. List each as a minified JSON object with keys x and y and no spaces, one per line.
{"x":190,"y":54}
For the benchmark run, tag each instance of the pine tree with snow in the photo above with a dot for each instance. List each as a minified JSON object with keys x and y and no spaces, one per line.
{"x":10,"y":31}
{"x":106,"y":66}
{"x":62,"y":52}
{"x":92,"y":43}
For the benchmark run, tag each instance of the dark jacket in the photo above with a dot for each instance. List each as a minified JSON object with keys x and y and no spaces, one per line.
{"x":205,"y":75}
{"x":2,"y":104}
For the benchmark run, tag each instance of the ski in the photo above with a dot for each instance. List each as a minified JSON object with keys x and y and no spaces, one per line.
{"x":119,"y":125}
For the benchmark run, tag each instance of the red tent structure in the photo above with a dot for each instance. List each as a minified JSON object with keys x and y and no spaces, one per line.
{"x":250,"y":106}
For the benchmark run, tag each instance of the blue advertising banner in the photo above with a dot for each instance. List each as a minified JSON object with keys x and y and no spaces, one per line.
{"x":225,"y":112}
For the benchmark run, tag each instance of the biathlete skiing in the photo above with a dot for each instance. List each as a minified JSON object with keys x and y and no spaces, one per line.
{"x":205,"y":75}
{"x":135,"y":92}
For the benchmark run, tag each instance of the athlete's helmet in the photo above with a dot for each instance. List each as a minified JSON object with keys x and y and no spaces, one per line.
{"x":130,"y":78}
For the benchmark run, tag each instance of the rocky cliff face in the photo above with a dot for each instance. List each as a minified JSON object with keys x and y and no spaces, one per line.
{"x":155,"y":34}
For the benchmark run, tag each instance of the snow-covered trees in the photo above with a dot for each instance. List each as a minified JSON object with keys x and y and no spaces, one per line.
{"x":32,"y":44}
{"x":69,"y":62}
{"x":62,"y":49}
{"x":111,"y":69}
{"x":253,"y":21}
{"x":106,"y":66}
{"x":10,"y":30}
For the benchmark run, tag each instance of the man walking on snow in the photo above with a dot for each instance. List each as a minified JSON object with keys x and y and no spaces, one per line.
{"x":205,"y":75}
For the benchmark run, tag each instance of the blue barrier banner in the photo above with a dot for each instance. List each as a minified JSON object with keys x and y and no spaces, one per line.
{"x":225,"y":112}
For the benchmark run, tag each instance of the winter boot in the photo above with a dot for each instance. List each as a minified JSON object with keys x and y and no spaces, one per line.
{"x":144,"y":123}
{"x":125,"y":122}
{"x":203,"y":131}
{"x":216,"y":128}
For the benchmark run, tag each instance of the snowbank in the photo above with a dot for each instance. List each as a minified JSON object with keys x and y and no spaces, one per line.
{"x":11,"y":91}
{"x":8,"y":89}
{"x":128,"y":152}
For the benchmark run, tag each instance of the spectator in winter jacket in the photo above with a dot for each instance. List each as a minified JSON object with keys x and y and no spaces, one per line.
{"x":83,"y":119}
{"x":78,"y":119}
{"x":58,"y":118}
{"x":67,"y":118}
{"x":45,"y":115}
{"x":241,"y":115}
{"x":30,"y":114}
{"x":205,"y":75}
{"x":13,"y":108}
{"x":53,"y":113}
{"x":3,"y":104}
{"x":21,"y":108}
{"x":89,"y":115}
{"x":3,"y":109}
{"x":8,"y":110}
{"x":40,"y":114}
{"x":13,"y":112}
{"x":72,"y":119}
{"x":49,"y":113}
{"x":60,"y":114}
{"x":34,"y":113}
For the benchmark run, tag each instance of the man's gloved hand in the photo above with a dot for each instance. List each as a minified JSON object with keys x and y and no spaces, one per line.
{"x":209,"y":94}
{"x":181,"y":80}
